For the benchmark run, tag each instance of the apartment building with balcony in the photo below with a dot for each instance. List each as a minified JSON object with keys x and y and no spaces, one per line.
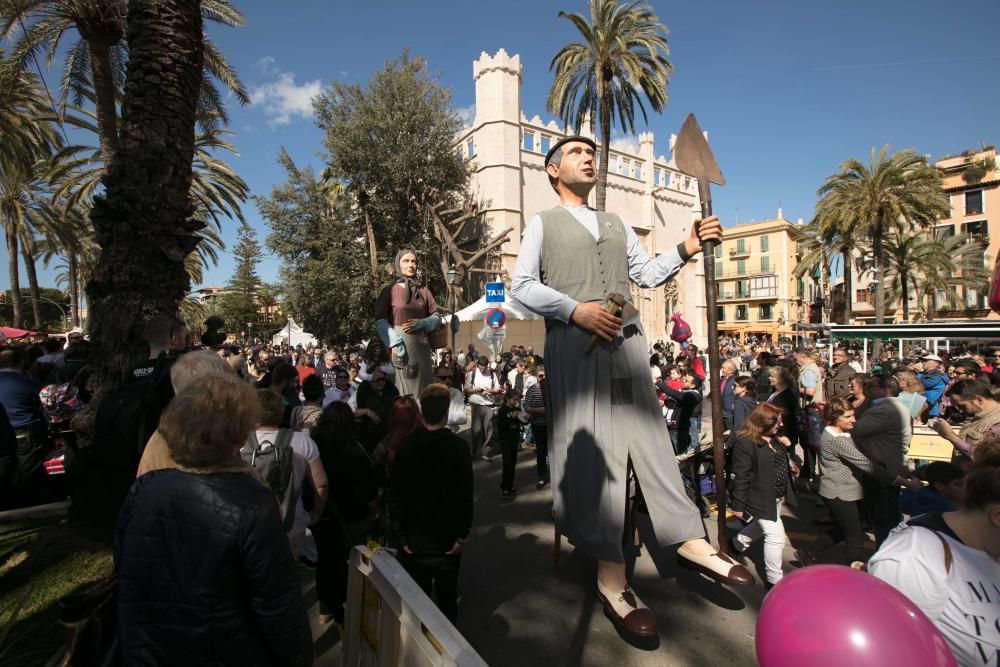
{"x":971,"y":180}
{"x":756,"y":291}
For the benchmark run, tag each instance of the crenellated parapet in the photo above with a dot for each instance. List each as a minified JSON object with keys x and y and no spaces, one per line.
{"x":500,"y":62}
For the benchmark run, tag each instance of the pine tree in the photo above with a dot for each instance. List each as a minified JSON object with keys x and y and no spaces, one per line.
{"x":239,"y":304}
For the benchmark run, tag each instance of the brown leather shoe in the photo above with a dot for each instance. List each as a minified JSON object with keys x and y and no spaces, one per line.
{"x":718,"y":566}
{"x":640,"y":621}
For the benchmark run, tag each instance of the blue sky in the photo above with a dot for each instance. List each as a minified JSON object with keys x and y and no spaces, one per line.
{"x":786,"y":88}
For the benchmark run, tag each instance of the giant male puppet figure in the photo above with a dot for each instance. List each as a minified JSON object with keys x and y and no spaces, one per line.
{"x":602,"y":407}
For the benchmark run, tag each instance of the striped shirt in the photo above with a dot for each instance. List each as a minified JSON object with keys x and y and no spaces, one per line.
{"x":533,"y":398}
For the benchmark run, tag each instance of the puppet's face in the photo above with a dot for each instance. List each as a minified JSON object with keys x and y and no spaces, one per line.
{"x":408,"y":265}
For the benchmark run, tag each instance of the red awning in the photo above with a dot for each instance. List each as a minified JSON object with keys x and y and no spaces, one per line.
{"x":11,"y":332}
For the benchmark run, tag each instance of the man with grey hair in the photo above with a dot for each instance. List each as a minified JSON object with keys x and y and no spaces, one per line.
{"x":186,"y":370}
{"x":604,"y":415}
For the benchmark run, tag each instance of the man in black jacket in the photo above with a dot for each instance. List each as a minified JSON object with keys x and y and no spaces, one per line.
{"x":432,"y":491}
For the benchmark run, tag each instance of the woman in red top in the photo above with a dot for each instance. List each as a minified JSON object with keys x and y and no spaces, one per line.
{"x":404,"y":314}
{"x":304,"y":367}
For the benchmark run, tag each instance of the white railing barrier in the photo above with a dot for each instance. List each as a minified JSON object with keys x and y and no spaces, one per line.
{"x":390,"y":621}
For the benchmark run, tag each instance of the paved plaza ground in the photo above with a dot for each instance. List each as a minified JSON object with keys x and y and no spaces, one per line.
{"x":517,"y":608}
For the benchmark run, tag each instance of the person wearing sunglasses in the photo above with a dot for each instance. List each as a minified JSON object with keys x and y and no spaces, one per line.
{"x":343,"y":390}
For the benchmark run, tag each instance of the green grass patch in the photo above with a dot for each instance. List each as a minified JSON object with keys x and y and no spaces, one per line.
{"x":41,"y":561}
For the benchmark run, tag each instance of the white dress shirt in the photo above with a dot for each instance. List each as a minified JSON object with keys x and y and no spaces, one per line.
{"x":527,"y":287}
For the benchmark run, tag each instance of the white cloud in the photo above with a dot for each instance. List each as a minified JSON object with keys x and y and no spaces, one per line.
{"x":281,"y":98}
{"x":467,"y":114}
{"x":266,"y":65}
{"x":627,"y":143}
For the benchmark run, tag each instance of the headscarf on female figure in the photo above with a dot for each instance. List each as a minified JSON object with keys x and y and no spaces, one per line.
{"x":404,"y":314}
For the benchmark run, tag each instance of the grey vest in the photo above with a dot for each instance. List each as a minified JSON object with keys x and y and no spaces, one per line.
{"x":576,"y":264}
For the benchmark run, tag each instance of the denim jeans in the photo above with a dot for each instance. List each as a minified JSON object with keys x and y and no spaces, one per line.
{"x":695,"y":430}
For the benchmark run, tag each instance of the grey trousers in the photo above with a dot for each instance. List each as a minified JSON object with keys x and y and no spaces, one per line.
{"x":482,"y":429}
{"x":603,"y":411}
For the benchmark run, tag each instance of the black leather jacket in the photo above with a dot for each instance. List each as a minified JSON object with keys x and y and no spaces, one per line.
{"x":206,"y":574}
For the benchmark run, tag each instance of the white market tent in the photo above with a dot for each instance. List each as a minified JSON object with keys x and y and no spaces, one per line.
{"x":292,"y":334}
{"x":523,"y":326}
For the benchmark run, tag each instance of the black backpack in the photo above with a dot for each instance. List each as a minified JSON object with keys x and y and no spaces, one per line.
{"x":273,"y":461}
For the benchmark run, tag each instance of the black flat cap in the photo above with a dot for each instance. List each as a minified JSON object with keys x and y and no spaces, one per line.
{"x":565,"y":140}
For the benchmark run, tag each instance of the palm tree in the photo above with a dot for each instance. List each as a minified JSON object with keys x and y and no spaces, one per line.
{"x":23,"y":113}
{"x":217,"y":192}
{"x":909,"y":258}
{"x":814,"y":256}
{"x":623,"y":52}
{"x":97,"y":61}
{"x":868,"y":201}
{"x":24,"y":210}
{"x":845,"y":245}
{"x":143,"y":221}
{"x":70,"y":238}
{"x":955,"y":261}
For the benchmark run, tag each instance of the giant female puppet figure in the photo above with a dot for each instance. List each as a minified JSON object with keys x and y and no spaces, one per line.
{"x":602,"y":408}
{"x":404,"y":314}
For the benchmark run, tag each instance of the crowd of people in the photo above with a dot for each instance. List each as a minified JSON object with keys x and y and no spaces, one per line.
{"x":231,"y":467}
{"x":827,"y":421}
{"x":350,"y":460}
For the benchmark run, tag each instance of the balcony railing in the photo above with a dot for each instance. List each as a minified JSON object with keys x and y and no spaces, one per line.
{"x":746,"y":273}
{"x":736,"y":296}
{"x":738,"y":252}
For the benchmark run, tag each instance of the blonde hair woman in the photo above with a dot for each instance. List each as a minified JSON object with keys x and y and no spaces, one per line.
{"x":911,"y":393}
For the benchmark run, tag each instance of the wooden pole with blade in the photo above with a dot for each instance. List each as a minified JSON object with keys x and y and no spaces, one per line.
{"x":693,"y":156}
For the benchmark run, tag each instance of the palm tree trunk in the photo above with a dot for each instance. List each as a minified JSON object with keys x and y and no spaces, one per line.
{"x":905,"y":294}
{"x":104,"y":91}
{"x":143,"y":222}
{"x":15,"y":282}
{"x":602,"y":168}
{"x":848,"y":285}
{"x":824,"y":303}
{"x":879,"y":284}
{"x":74,"y":286}
{"x":36,"y":295}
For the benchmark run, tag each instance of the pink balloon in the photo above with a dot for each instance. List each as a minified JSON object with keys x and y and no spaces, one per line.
{"x":834,"y":616}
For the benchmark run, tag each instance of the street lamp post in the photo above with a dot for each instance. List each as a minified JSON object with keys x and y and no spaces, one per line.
{"x":454,"y":280}
{"x":62,"y":311}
